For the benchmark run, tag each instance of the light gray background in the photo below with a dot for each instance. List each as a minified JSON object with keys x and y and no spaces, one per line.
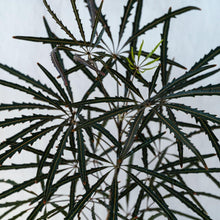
{"x":192,"y":35}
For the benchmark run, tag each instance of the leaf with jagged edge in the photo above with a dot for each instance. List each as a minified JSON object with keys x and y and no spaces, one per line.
{"x":57,"y":41}
{"x":178,"y":142}
{"x":43,"y":159}
{"x":213,"y":53}
{"x":55,"y":83}
{"x":107,"y":116}
{"x":49,"y":214}
{"x":88,"y":130}
{"x":139,"y":77}
{"x":72,"y":213}
{"x":107,"y":134}
{"x":185,"y":160}
{"x":194,"y":112}
{"x":196,"y":79}
{"x":58,"y":56}
{"x":186,"y":202}
{"x":144,"y":144}
{"x":21,"y":186}
{"x":181,"y":136}
{"x":55,"y":163}
{"x":138,"y":204}
{"x":155,"y":56}
{"x":212,"y":137}
{"x":157,"y":21}
{"x":132,"y":134}
{"x":154,"y":197}
{"x":113,"y":201}
{"x":93,"y":12}
{"x":79,"y":23}
{"x":146,"y":119}
{"x":65,"y":180}
{"x":37,"y":95}
{"x":21,"y":106}
{"x":95,"y":23}
{"x":181,"y":80}
{"x":30,"y":80}
{"x":26,"y":141}
{"x":21,"y":166}
{"x":153,"y":81}
{"x":136,"y":23}
{"x":163,"y":51}
{"x":59,"y":22}
{"x":81,"y":159}
{"x":12,"y":140}
{"x":124,"y":20}
{"x":128,"y":83}
{"x":201,"y":91}
{"x":27,"y":118}
{"x":163,"y":177}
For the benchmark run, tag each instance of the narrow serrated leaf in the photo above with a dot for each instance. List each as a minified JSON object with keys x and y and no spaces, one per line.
{"x":85,"y":198}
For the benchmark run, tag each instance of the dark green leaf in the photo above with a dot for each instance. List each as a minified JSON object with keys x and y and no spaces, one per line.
{"x":148,"y":190}
{"x":158,"y":21}
{"x":85,"y":198}
{"x":181,"y":136}
{"x":186,"y":202}
{"x":55,"y":164}
{"x":194,"y":112}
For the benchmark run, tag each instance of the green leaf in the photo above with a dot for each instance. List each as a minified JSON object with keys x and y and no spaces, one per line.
{"x":27,"y":118}
{"x":106,"y":116}
{"x":28,"y":79}
{"x":201,"y":91}
{"x":211,"y":135}
{"x":185,"y":160}
{"x":22,"y":186}
{"x":55,"y":83}
{"x":158,"y":21}
{"x":161,"y":176}
{"x":95,"y":23}
{"x":113,"y":203}
{"x":153,"y":81}
{"x":59,"y":22}
{"x":48,"y":148}
{"x":181,"y":136}
{"x":181,"y":80}
{"x":37,"y":95}
{"x":144,"y":144}
{"x":136,"y":23}
{"x":124,"y":19}
{"x":85,"y":198}
{"x":81,"y":158}
{"x":76,"y":12}
{"x":186,"y":202}
{"x":206,"y":58}
{"x":194,"y":112}
{"x":138,"y":204}
{"x":154,"y":197}
{"x":164,"y":49}
{"x":193,"y":170}
{"x":26,"y":141}
{"x":127,"y":82}
{"x":21,"y":106}
{"x":55,"y":164}
{"x":131,"y":135}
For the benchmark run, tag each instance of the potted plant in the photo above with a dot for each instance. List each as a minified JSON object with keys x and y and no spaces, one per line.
{"x":119,"y":150}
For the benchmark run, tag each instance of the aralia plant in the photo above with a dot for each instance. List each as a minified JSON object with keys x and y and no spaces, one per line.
{"x":102,"y":155}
